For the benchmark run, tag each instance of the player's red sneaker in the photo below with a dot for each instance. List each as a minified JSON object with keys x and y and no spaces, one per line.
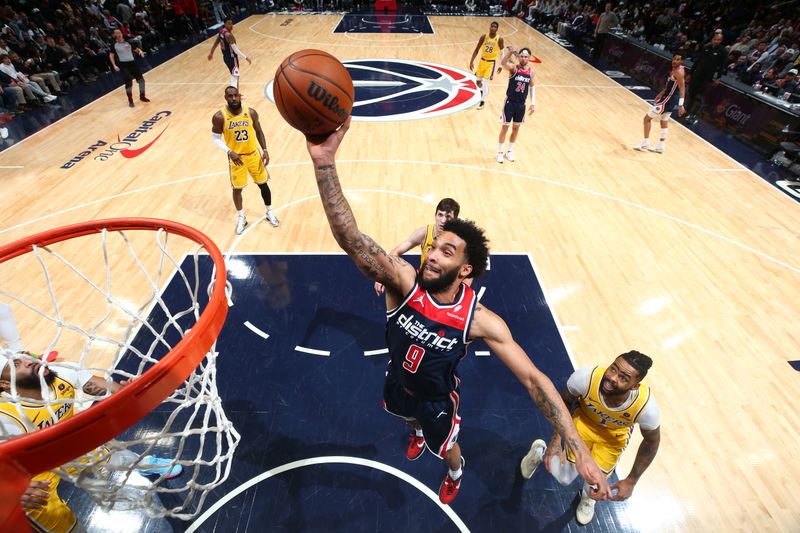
{"x":449,"y":488}
{"x":416,"y":445}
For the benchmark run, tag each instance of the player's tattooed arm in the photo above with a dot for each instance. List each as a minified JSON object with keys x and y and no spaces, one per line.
{"x":494,"y":331}
{"x":97,"y":386}
{"x":368,"y":256}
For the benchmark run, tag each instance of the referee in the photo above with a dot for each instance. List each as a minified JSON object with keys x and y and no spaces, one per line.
{"x":708,"y":67}
{"x":127,"y":64}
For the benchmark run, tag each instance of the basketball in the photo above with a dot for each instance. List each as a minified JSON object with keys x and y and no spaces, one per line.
{"x":313,"y":92}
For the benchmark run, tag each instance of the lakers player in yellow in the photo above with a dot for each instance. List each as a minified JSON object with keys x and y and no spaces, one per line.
{"x":237,"y":132}
{"x":446,"y":209}
{"x":489,"y":45}
{"x":608,"y":403}
{"x":45,"y":509}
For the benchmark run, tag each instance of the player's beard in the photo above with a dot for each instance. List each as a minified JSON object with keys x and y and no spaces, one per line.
{"x":32,"y":381}
{"x":445,"y":279}
{"x":234,"y":106}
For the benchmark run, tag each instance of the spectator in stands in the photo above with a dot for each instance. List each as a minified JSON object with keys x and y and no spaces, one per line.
{"x":752,"y":75}
{"x":742,"y":45}
{"x":607,"y":20}
{"x":124,"y":12}
{"x":41,"y":77}
{"x":31,"y":89}
{"x":787,"y":84}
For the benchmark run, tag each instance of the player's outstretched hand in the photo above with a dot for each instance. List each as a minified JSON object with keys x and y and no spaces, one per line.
{"x":249,"y":61}
{"x":531,"y":110}
{"x":325,"y":147}
{"x":379,"y":288}
{"x":472,"y":66}
{"x":210,"y":56}
{"x":594,"y":477}
{"x":116,"y":68}
{"x":624,"y":490}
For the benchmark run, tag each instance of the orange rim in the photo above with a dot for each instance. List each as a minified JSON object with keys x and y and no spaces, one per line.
{"x":28,"y":455}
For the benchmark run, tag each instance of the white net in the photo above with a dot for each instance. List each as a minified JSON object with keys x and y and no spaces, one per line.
{"x":112,"y":305}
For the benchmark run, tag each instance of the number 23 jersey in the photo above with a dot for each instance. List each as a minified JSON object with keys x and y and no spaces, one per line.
{"x":238,"y":131}
{"x":427,"y":340}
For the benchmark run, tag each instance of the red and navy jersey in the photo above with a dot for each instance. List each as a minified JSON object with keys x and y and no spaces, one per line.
{"x":427,"y":340}
{"x":227,"y":52}
{"x":671,"y":95}
{"x":518,"y":84}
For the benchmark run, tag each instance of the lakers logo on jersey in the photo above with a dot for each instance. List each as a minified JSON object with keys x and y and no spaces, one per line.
{"x":491,"y":48}
{"x":238,"y":132}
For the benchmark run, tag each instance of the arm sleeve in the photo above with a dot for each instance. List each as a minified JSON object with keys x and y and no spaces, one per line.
{"x":219,"y":143}
{"x":578,"y":382}
{"x":237,"y":51}
{"x":650,"y":418}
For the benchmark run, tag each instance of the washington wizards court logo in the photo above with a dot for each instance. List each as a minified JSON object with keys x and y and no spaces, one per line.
{"x":392,"y":89}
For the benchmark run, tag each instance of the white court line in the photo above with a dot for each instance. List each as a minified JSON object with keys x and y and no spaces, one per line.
{"x":552,"y":310}
{"x":312,"y":351}
{"x":570,"y":328}
{"x":255,"y":330}
{"x":727,"y":170}
{"x":480,"y":293}
{"x":11,"y":166}
{"x":368,"y":353}
{"x":482,"y":353}
{"x":480,"y":169}
{"x":329,"y":460}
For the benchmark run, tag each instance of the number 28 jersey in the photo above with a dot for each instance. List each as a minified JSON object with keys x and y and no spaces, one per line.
{"x":238,"y":131}
{"x":427,"y":340}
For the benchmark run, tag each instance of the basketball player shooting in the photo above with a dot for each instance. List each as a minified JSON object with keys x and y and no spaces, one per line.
{"x":433,"y":316}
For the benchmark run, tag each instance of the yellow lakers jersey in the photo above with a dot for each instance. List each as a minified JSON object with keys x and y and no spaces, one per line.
{"x":612,"y":423}
{"x":238,"y":131}
{"x":427,"y":244}
{"x":55,"y":516}
{"x":491,"y":48}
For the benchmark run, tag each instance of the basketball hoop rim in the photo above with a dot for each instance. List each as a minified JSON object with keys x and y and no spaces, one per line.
{"x":28,"y":455}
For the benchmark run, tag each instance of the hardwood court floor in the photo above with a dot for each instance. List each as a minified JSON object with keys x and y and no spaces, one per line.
{"x":685,"y":256}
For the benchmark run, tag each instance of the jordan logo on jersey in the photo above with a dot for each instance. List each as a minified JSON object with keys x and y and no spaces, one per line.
{"x":416,"y":329}
{"x":420,"y":300}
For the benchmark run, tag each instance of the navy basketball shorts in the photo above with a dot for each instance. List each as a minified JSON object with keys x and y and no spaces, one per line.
{"x":513,"y":112}
{"x":439,"y":419}
{"x":232,"y":63}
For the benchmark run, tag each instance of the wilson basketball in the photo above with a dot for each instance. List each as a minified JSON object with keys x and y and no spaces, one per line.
{"x":313,"y":92}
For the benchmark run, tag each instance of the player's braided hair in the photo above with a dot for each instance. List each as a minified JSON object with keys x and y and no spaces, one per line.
{"x":477,"y":249}
{"x":639,"y":361}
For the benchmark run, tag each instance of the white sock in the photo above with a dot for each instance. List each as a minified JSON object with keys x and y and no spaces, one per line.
{"x":500,"y":148}
{"x":240,"y":213}
{"x":235,"y":81}
{"x":484,"y":89}
{"x":510,"y":146}
{"x":645,"y":142}
{"x":269,"y":209}
{"x":8,"y":329}
{"x":418,"y":432}
{"x":455,"y":474}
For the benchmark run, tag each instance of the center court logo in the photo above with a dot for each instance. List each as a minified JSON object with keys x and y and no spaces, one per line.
{"x":127,"y":146}
{"x":388,"y":90}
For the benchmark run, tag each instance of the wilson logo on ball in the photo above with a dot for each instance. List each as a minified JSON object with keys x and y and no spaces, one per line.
{"x":318,"y":93}
{"x":387,"y":90}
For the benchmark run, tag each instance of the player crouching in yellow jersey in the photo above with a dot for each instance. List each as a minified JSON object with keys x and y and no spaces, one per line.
{"x":607,"y":403}
{"x":22,"y":377}
{"x":234,"y":130}
{"x":489,"y":45}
